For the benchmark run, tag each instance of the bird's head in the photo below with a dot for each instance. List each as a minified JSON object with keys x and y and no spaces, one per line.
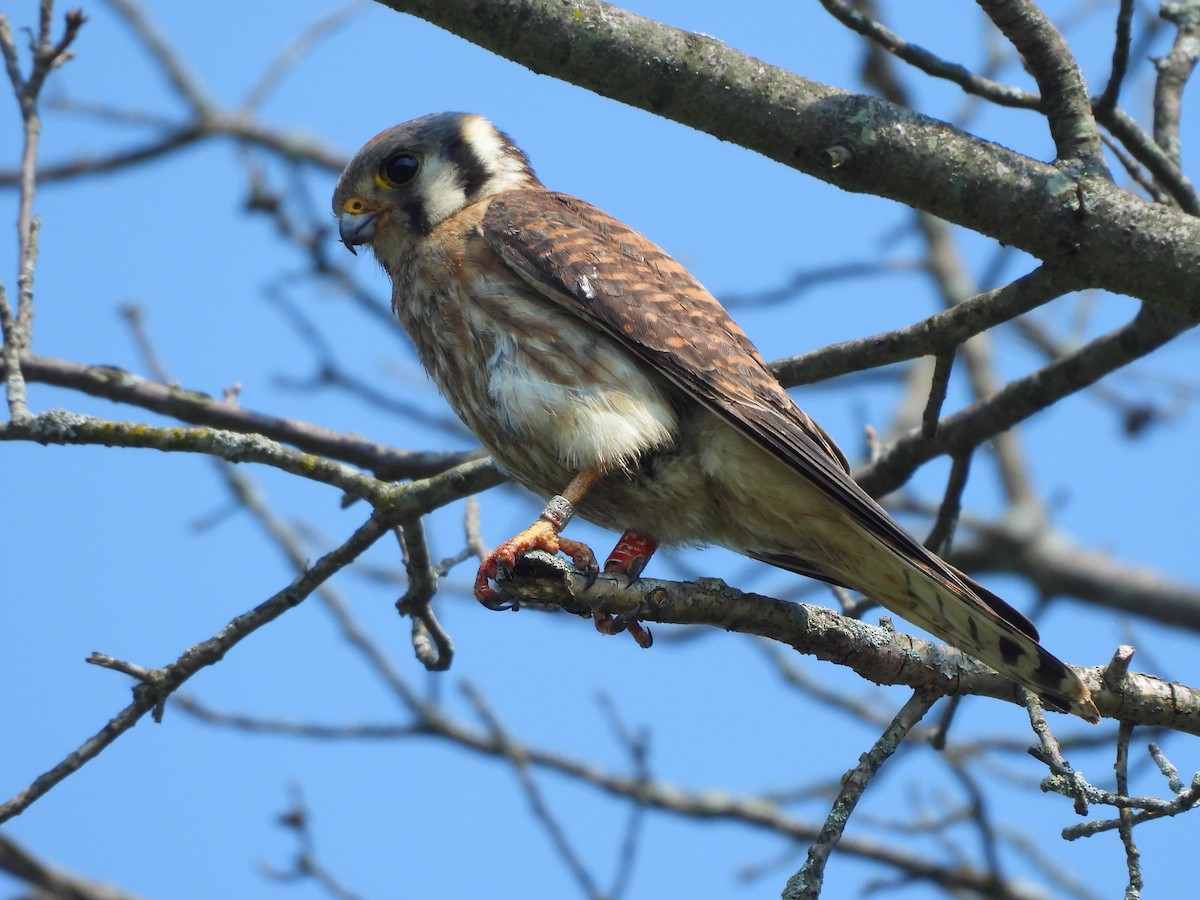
{"x":407,"y":179}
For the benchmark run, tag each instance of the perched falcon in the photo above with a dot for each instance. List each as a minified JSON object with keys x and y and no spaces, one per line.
{"x":598,"y":372}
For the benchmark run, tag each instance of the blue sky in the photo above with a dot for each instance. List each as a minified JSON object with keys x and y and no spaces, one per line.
{"x":139,"y":554}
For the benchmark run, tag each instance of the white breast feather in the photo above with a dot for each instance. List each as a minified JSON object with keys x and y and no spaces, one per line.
{"x":607,"y":425}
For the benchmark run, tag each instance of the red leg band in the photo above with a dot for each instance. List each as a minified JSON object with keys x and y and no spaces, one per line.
{"x":631,"y":554}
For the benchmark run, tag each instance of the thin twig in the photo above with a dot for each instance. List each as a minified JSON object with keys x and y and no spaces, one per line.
{"x":1120,"y":58}
{"x":942,"y":533}
{"x":433,"y":647}
{"x":1167,"y":768}
{"x":185,"y":82}
{"x":939,"y":384}
{"x":807,"y":882}
{"x":47,"y":55}
{"x":533,"y":793}
{"x":295,"y":50}
{"x":937,"y":334}
{"x":197,"y":408}
{"x":305,"y":865}
{"x":1050,"y":753}
{"x":160,"y":683}
{"x":1133,"y":857}
{"x":930,"y":63}
{"x":637,"y":746}
{"x":1021,"y":398}
{"x":1174,"y":70}
{"x":47,"y":882}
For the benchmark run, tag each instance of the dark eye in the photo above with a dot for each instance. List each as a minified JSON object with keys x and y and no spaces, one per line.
{"x":399,"y":169}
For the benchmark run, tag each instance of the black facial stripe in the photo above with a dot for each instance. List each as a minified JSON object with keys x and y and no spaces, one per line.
{"x":469,"y":166}
{"x":418,"y":218}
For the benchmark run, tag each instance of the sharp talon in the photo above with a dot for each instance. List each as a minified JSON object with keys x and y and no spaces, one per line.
{"x":541,"y":535}
{"x":606,"y":624}
{"x":485,"y":593}
{"x":644,"y":638}
{"x":490,"y":597}
{"x":591,"y":572}
{"x":582,"y":557}
{"x":615,"y":624}
{"x":496,"y":602}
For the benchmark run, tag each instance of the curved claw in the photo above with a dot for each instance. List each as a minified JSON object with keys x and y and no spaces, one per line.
{"x":484,"y":592}
{"x":615,"y":624}
{"x":541,"y":535}
{"x":582,"y":558}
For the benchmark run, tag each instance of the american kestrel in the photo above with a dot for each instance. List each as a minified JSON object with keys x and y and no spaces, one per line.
{"x":597,"y":371}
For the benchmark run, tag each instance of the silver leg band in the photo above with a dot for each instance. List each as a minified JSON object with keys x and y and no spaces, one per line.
{"x":558,"y":512}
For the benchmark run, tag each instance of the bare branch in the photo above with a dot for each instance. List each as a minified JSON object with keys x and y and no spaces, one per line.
{"x":758,"y":812}
{"x":1120,"y":59}
{"x":1133,"y":858}
{"x":1082,"y":223}
{"x":927,"y":62}
{"x":938,"y":334}
{"x":161,"y":683}
{"x":944,"y":526}
{"x":296,"y":49}
{"x":1174,"y":70}
{"x":1058,"y":566}
{"x":197,"y":408}
{"x":807,"y":882}
{"x":47,"y":55}
{"x":880,"y":655}
{"x":50,"y":882}
{"x":533,"y":794}
{"x":1064,"y":93}
{"x":431,"y":643}
{"x":184,"y":82}
{"x":939,"y":384}
{"x":1020,"y":399}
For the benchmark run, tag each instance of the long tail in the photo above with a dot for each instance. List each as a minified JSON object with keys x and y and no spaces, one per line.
{"x":945,"y":602}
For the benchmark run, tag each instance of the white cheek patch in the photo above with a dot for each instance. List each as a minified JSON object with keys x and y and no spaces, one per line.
{"x":506,"y":169}
{"x":440,"y":190}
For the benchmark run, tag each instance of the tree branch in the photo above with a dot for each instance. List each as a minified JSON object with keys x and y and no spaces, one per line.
{"x":879,"y":655}
{"x":196,"y":408}
{"x":1098,"y":233}
{"x":1020,"y":399}
{"x":1064,"y":93}
{"x":161,"y":683}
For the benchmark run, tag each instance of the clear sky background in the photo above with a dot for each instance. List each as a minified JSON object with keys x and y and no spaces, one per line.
{"x":140,"y":554}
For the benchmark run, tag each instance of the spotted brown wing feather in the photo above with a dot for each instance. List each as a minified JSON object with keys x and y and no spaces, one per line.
{"x":605,"y":272}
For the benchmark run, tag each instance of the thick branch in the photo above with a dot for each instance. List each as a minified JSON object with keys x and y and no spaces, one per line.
{"x":880,"y":655}
{"x":1100,"y":234}
{"x":1064,"y":92}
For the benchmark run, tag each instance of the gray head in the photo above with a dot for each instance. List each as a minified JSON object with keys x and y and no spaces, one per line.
{"x":406,"y":180}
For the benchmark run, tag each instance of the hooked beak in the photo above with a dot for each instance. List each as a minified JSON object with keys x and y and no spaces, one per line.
{"x":355,"y":229}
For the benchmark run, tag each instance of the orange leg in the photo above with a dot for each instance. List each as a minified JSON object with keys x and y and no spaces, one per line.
{"x":541,"y":535}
